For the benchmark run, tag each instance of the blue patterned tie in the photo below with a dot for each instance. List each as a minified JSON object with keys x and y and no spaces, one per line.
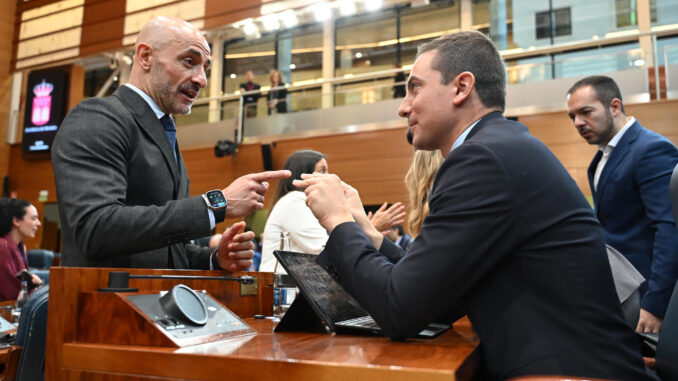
{"x":171,"y":131}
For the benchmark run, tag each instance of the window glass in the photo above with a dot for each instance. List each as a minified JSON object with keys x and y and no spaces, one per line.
{"x":664,"y":12}
{"x":598,"y":61}
{"x":533,"y":69}
{"x":420,"y":25}
{"x":535,"y":20}
{"x":561,"y":18}
{"x":366,"y":43}
{"x":241,"y":56}
{"x":625,"y":13}
{"x":667,"y":51}
{"x":305,"y":67}
{"x":95,"y":80}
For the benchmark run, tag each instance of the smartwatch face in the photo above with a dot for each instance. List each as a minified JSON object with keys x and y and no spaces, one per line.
{"x":216,"y":199}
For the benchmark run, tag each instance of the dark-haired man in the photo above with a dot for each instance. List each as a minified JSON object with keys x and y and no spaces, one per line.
{"x":120,"y":178}
{"x":510,"y":239}
{"x":629,"y":179}
{"x":250,"y":101}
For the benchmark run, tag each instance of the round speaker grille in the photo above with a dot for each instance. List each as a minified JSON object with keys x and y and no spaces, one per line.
{"x":184,"y":304}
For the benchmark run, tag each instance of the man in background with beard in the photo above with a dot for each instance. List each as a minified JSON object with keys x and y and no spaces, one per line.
{"x":629,"y":179}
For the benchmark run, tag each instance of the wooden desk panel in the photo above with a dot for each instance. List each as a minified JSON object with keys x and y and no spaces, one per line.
{"x":264,"y":356}
{"x":285,"y":356}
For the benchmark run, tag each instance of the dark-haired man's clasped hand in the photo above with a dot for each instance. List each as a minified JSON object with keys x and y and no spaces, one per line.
{"x":325,"y":196}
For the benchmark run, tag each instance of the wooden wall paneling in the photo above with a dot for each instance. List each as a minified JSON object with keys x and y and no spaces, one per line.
{"x":23,"y":5}
{"x":657,"y":116}
{"x":29,"y":177}
{"x":7,"y":27}
{"x":219,"y":12}
{"x":374,"y":162}
{"x":103,"y":25}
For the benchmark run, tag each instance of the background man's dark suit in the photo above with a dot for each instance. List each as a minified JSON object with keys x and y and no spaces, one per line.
{"x":110,"y":155}
{"x":633,"y":205}
{"x":250,"y":101}
{"x":510,"y":241}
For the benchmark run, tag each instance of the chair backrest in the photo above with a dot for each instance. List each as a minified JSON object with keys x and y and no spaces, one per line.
{"x":40,"y":258}
{"x":32,"y":335}
{"x":666,"y":358}
{"x":673,"y":192}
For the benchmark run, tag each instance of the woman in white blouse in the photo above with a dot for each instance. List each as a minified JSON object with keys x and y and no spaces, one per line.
{"x":289,"y":212}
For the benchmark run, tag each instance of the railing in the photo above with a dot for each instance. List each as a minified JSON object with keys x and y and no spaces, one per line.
{"x":379,"y":86}
{"x":671,"y":70}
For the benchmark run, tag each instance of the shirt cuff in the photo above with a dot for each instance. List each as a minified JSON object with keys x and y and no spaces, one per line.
{"x":213,"y":223}
{"x":213,"y":258}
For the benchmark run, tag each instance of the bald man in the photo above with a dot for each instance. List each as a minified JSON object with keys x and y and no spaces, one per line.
{"x":121,"y":182}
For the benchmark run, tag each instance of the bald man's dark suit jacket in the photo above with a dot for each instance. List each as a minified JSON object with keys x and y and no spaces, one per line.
{"x":123,"y":200}
{"x":510,"y":241}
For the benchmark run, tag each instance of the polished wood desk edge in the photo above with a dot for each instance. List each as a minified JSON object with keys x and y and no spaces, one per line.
{"x":167,"y":363}
{"x":226,"y":357}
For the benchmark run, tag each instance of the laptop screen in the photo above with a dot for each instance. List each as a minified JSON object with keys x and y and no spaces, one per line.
{"x":326,"y":296}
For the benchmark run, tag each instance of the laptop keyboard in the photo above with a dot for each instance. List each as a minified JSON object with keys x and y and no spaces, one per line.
{"x":363,"y":321}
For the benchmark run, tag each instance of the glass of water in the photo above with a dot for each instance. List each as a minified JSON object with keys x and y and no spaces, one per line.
{"x":284,"y":292}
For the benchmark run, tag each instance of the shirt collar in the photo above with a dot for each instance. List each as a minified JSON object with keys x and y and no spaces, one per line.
{"x":615,"y":140}
{"x":154,"y":106}
{"x":463,"y":135}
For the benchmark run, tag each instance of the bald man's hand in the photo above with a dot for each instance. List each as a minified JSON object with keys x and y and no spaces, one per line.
{"x":246,"y":194}
{"x":234,"y":252}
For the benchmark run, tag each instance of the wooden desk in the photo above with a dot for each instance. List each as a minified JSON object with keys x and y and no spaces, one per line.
{"x":6,"y":309}
{"x":6,"y":313}
{"x":264,"y":356}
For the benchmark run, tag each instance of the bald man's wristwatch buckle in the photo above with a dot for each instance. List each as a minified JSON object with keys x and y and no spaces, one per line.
{"x":216,"y":201}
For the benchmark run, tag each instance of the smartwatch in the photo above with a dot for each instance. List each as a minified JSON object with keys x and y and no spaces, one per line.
{"x":216,"y":201}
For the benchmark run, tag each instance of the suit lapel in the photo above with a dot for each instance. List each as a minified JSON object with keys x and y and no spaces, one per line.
{"x":616,"y":157}
{"x":150,"y":124}
{"x":592,"y":174}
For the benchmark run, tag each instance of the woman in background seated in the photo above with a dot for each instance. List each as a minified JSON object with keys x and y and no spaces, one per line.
{"x":289,"y":212}
{"x":18,"y":221}
{"x":419,"y":181}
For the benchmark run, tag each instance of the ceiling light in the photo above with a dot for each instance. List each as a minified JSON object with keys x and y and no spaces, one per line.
{"x":293,"y":66}
{"x":289,"y":18}
{"x":271,"y":22}
{"x":321,"y":11}
{"x":358,"y":55}
{"x":249,"y":28}
{"x":232,"y":75}
{"x":347,"y":7}
{"x":372,"y":5}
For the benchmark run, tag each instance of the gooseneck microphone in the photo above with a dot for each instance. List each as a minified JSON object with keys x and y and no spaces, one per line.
{"x":118,"y":281}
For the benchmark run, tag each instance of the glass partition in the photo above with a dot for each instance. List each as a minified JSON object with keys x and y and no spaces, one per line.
{"x":424,"y":24}
{"x":535,"y":23}
{"x":663,"y":12}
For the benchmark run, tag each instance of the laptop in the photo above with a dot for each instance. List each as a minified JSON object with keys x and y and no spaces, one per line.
{"x":324,"y":305}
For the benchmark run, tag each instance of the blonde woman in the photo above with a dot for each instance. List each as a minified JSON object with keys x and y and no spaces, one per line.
{"x":277,"y":99}
{"x":419,"y":181}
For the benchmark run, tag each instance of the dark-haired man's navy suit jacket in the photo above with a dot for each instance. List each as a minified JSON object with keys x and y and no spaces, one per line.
{"x":633,"y":205}
{"x":510,"y":241}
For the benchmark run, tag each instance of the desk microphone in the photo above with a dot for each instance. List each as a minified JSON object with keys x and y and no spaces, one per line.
{"x":118,"y":281}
